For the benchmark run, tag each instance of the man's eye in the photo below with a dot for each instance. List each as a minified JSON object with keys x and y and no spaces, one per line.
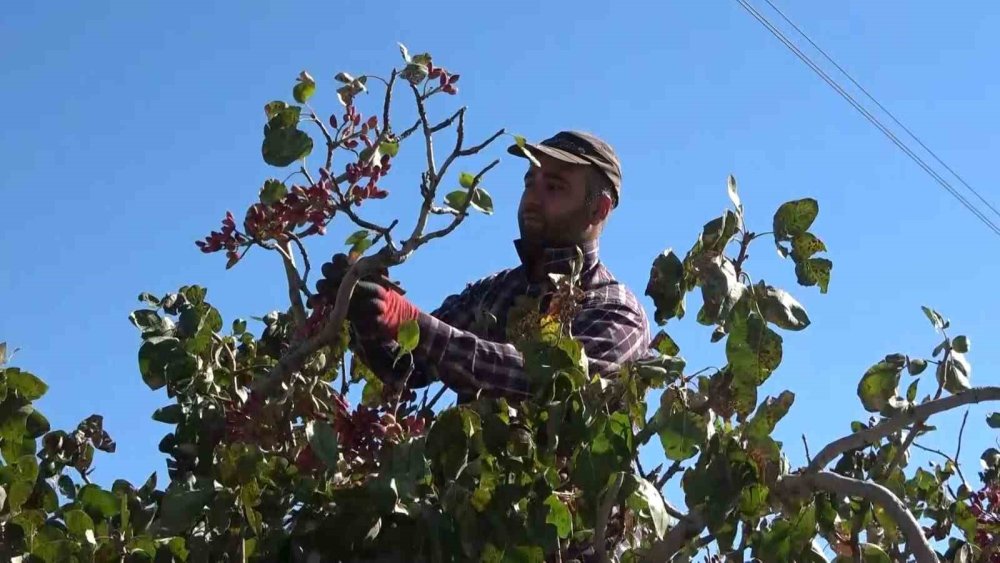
{"x":555,"y":187}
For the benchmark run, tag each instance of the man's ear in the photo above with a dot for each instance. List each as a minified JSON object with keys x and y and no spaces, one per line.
{"x":601,"y":209}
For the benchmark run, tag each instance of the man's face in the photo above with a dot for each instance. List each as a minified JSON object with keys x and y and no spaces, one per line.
{"x":554,"y":210}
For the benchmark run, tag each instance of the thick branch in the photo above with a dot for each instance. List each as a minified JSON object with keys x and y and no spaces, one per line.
{"x":685,"y":530}
{"x":304,"y":280}
{"x":808,"y":483}
{"x":898,"y":422}
{"x":293,"y":358}
{"x":603,"y":514}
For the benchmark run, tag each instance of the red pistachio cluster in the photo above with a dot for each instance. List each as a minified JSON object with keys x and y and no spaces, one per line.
{"x":297,"y":208}
{"x":445,"y":80}
{"x":228,"y":238}
{"x":985,"y":506}
{"x":353,"y":133}
{"x":361,"y":433}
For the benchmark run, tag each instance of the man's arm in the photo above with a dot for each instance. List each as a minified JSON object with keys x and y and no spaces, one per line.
{"x":611,"y":332}
{"x":457,"y":311}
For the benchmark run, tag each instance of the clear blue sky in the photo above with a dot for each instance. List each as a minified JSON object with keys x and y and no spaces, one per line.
{"x":131,"y":127}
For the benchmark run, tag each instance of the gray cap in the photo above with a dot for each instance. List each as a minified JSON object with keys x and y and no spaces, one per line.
{"x":577,"y":147}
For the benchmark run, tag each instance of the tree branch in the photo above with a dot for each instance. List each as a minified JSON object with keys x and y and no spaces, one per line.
{"x":304,"y":280}
{"x":294,"y":283}
{"x":428,"y":139}
{"x":944,"y":455}
{"x":463,"y":212}
{"x":689,"y":527}
{"x":898,"y":422}
{"x":603,"y":514}
{"x":805,"y":485}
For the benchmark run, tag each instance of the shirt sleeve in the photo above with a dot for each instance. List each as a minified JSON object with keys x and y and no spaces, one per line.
{"x":457,"y":311}
{"x":612,"y":332}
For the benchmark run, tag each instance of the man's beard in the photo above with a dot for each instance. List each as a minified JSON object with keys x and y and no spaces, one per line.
{"x":539,"y":231}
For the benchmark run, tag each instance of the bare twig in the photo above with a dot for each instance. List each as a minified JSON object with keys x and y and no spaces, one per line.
{"x":961,"y":431}
{"x":434,"y":399}
{"x":388,"y":101}
{"x":331,"y":145}
{"x":294,"y":284}
{"x":954,"y":461}
{"x":344,"y":386}
{"x":672,"y":510}
{"x":428,"y":138}
{"x":898,"y":422}
{"x":804,"y":485}
{"x":447,"y":122}
{"x":409,"y":131}
{"x":806,"y":444}
{"x":463,"y":212}
{"x":603,"y":514}
{"x":671,"y":471}
{"x":304,"y":280}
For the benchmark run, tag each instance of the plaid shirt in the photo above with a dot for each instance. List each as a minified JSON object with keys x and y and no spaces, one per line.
{"x":469,"y":355}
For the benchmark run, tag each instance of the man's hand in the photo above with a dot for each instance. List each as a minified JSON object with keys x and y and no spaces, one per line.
{"x":377,"y":306}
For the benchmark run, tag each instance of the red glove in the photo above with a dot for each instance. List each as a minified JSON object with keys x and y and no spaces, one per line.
{"x":376,"y":308}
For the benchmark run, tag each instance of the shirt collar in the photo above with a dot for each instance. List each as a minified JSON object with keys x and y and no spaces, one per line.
{"x":559,"y":260}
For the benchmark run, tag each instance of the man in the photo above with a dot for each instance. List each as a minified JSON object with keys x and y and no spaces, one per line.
{"x":564,"y":207}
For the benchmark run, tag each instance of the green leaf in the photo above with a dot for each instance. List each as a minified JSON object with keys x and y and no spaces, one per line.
{"x":19,"y":494}
{"x":954,"y":372}
{"x":67,"y":487}
{"x":78,"y":523}
{"x":648,"y":503}
{"x":466,"y":180}
{"x":731,"y":190}
{"x":916,"y":366}
{"x":804,"y":245}
{"x":666,"y":286}
{"x":304,"y":88}
{"x":272,"y":191}
{"x":681,"y":432}
{"x":993,"y":420}
{"x":721,"y":289}
{"x":181,"y":507}
{"x":3,"y":497}
{"x":780,"y":308}
{"x":482,"y":201}
{"x":718,"y":232}
{"x":878,"y":385}
{"x":414,"y":73}
{"x":356,"y":237}
{"x":768,"y":414}
{"x":284,"y":146}
{"x":456,"y":199}
{"x":815,"y":271}
{"x":408,"y":337}
{"x":36,"y":425}
{"x":25,"y":384}
{"x":936,"y":319}
{"x":911,"y":391}
{"x":3,"y":353}
{"x":960,"y":344}
{"x":389,"y":148}
{"x":753,"y":501}
{"x":664,"y":344}
{"x":323,"y":440}
{"x":794,"y":217}
{"x":272,"y":109}
{"x":98,"y":502}
{"x":170,"y":414}
{"x":754,"y":351}
{"x":559,"y":516}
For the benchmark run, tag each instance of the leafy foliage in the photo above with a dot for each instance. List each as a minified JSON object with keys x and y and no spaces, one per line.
{"x":300,"y":474}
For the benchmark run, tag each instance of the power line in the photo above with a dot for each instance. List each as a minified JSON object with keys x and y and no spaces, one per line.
{"x":881,"y":107}
{"x":854,"y":103}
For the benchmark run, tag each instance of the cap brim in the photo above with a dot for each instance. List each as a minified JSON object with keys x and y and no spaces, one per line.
{"x":555,"y":153}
